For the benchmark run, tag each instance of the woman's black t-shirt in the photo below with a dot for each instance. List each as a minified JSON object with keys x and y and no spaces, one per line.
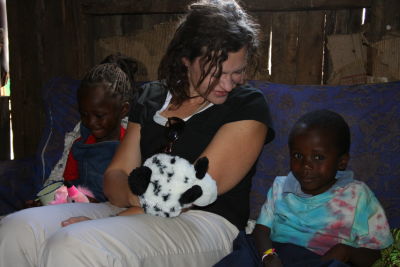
{"x":243,"y":103}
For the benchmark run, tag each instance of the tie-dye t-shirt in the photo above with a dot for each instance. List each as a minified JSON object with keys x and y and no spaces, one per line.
{"x":347,"y":213}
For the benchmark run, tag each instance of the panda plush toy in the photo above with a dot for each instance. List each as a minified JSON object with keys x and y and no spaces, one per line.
{"x":167,"y":184}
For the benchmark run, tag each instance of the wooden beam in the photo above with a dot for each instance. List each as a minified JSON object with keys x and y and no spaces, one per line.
{"x":4,"y":128}
{"x":303,"y":5}
{"x":310,"y":38}
{"x":94,"y":7}
{"x":114,"y":7}
{"x":285,"y":26}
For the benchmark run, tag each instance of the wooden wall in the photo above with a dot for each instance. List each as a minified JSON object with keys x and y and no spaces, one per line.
{"x":4,"y":128}
{"x":45,"y":40}
{"x":66,"y":37}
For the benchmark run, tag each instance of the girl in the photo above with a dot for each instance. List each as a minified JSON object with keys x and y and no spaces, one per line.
{"x":104,"y":99}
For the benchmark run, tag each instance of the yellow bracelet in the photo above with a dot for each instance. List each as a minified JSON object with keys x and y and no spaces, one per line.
{"x":269,"y":252}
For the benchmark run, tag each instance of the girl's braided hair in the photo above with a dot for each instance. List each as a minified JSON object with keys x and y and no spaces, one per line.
{"x":211,"y":29}
{"x":117,"y":74}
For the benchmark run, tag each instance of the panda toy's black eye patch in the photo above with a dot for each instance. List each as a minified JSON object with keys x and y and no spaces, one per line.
{"x":191,"y":195}
{"x":156,"y":161}
{"x":166,"y":197}
{"x":139,"y":180}
{"x":201,"y":167}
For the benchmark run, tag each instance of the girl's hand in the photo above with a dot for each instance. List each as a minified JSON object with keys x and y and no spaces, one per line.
{"x":74,"y":220}
{"x":339,"y":252}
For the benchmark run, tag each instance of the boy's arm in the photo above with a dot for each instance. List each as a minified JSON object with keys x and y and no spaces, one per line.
{"x":356,"y":256}
{"x":261,"y":235}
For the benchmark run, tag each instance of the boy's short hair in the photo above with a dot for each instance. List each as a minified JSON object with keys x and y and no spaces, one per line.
{"x":328,"y":121}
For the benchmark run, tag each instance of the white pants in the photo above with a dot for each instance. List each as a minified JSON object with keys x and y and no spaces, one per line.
{"x":34,"y":237}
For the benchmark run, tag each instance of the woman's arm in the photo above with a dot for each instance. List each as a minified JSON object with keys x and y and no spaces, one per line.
{"x":126,"y":158}
{"x":233,"y":151}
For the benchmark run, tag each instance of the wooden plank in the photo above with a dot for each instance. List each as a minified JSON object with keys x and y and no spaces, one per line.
{"x":265,"y":21}
{"x":330,"y":18}
{"x":50,"y":41}
{"x":355,"y":19}
{"x":180,"y":6}
{"x":377,"y":27}
{"x":343,"y":21}
{"x":284,"y":47}
{"x":303,"y":5}
{"x":384,"y":21}
{"x":4,"y":128}
{"x":339,"y":22}
{"x":310,"y":47}
{"x":25,"y":65}
{"x":392,"y":16}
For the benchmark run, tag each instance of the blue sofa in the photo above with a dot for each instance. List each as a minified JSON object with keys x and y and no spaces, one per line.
{"x":372,"y":111}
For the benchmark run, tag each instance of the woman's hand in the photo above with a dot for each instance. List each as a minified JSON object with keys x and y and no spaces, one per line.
{"x":74,"y":220}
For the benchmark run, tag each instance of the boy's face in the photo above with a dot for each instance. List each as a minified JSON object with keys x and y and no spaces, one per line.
{"x":314,"y":160}
{"x":100,"y":113}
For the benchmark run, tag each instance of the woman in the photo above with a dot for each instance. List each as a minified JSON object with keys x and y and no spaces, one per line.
{"x":200,"y":78}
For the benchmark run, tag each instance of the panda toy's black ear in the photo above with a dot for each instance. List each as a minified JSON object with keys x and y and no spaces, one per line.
{"x":191,"y":195}
{"x":139,"y":180}
{"x":201,"y":167}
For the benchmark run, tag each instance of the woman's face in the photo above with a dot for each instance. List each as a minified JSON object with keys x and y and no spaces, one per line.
{"x":233,"y":73}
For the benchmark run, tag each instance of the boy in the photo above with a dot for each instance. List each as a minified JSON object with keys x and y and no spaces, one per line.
{"x":319,"y":213}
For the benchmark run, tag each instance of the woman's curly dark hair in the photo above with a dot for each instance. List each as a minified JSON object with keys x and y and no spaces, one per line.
{"x":211,"y":29}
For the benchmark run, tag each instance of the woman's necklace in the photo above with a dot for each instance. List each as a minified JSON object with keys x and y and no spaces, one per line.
{"x":185,"y":110}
